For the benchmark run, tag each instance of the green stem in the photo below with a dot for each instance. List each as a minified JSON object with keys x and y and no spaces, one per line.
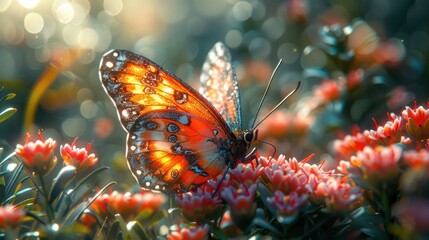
{"x":48,"y":209}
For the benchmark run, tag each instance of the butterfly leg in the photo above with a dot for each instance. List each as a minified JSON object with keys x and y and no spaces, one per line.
{"x":220,"y":182}
{"x":249,"y":157}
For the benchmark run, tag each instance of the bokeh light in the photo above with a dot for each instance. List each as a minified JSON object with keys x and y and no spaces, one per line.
{"x":33,"y":22}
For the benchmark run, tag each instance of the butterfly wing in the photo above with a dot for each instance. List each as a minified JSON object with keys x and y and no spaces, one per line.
{"x":219,"y":85}
{"x":176,"y":138}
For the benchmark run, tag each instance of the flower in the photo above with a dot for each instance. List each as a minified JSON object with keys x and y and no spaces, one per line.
{"x":286,"y":180}
{"x":284,"y":123}
{"x":417,"y":122}
{"x":77,"y":157}
{"x":350,"y":144}
{"x":387,"y":134}
{"x":228,"y":226}
{"x":142,"y":205}
{"x":288,"y":176}
{"x":355,"y":78}
{"x":340,"y":195}
{"x":244,"y":173}
{"x":287,"y":204}
{"x":241,"y":200}
{"x":10,"y":217}
{"x":417,"y":159}
{"x":38,"y":156}
{"x":378,"y":162}
{"x":193,"y":233}
{"x":328,"y":91}
{"x":200,"y":205}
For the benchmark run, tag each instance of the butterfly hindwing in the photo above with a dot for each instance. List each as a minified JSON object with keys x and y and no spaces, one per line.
{"x":176,"y":138}
{"x":219,"y":85}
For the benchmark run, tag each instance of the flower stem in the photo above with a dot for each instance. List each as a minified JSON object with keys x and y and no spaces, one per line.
{"x":48,"y":209}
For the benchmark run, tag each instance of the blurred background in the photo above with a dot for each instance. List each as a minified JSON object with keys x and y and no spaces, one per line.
{"x":357,"y":60}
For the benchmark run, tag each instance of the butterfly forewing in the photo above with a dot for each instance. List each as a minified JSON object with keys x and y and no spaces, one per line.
{"x":176,"y":138}
{"x":219,"y":85}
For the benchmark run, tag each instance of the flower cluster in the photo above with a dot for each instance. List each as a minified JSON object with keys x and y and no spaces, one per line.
{"x":39,"y":156}
{"x":142,"y":205}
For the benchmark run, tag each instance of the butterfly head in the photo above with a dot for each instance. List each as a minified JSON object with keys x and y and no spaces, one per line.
{"x":250,"y":135}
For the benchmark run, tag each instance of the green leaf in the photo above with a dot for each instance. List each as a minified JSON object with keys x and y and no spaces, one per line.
{"x":7,"y":96}
{"x":139,"y":230}
{"x":21,"y":192}
{"x":113,"y":231}
{"x":26,"y":202}
{"x":362,"y":182}
{"x":63,"y":179}
{"x":126,"y":234}
{"x":77,"y":211}
{"x":7,"y":113}
{"x":90,"y":176}
{"x":285,"y":220}
{"x":264,"y":224}
{"x":13,"y":179}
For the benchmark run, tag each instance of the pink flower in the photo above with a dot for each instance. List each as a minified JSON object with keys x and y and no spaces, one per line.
{"x":417,"y":122}
{"x":287,"y":204}
{"x":285,"y":180}
{"x":343,"y":166}
{"x":355,"y":78}
{"x":194,"y":233}
{"x":339,"y":194}
{"x":10,"y":217}
{"x":38,"y":156}
{"x":77,"y":157}
{"x":128,"y":205}
{"x":328,"y":91}
{"x":417,"y":159}
{"x":241,"y":200}
{"x":200,"y":205}
{"x":350,"y":144}
{"x":379,"y":162}
{"x":387,"y":134}
{"x":245,"y":173}
{"x":228,"y":226}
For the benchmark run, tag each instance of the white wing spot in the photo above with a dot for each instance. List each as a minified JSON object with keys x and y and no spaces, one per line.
{"x":125,"y":113}
{"x":139,"y":172}
{"x":133,"y":148}
{"x":109,"y":64}
{"x":115,"y":54}
{"x":147,"y":184}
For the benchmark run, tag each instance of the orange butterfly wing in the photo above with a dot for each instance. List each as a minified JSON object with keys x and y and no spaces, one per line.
{"x":176,"y":138}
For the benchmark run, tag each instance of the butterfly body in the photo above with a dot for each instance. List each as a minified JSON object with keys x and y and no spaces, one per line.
{"x":177,"y":139}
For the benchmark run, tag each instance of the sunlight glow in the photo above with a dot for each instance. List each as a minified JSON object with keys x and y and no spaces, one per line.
{"x":29,"y":4}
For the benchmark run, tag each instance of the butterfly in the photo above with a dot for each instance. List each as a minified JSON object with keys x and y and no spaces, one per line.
{"x":178,"y":138}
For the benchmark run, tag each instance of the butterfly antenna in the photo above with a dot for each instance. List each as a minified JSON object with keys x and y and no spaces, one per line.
{"x":265,"y":93}
{"x":278,"y":105}
{"x":271,"y":145}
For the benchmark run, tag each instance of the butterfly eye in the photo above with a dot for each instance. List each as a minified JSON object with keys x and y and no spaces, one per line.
{"x":250,"y":136}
